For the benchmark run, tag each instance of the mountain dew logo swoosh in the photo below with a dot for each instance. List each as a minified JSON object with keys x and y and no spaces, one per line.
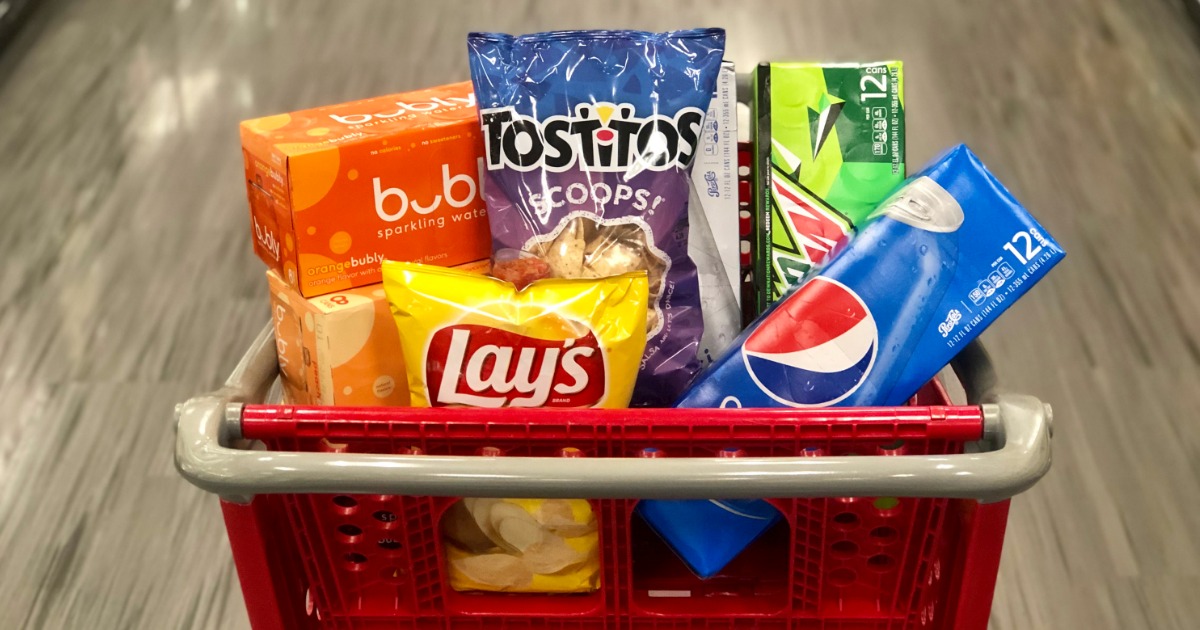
{"x":821,"y":120}
{"x":790,"y":160}
{"x":816,"y":228}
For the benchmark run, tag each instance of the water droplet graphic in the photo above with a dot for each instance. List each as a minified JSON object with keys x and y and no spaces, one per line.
{"x":924,"y":249}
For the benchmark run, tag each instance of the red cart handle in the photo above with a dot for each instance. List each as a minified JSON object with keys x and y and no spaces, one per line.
{"x":1016,"y":455}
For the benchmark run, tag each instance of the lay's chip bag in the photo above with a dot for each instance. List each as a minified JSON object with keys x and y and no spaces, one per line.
{"x":475,"y":341}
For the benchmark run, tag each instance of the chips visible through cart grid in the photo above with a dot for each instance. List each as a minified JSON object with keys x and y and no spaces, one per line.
{"x":522,"y":545}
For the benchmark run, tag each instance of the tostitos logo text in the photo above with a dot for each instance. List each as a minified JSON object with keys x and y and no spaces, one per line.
{"x":829,"y":344}
{"x":603,"y":137}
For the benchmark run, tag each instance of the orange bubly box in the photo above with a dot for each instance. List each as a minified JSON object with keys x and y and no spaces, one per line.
{"x":335,"y":190}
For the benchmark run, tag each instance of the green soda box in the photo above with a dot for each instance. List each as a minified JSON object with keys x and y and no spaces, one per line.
{"x":829,"y":146}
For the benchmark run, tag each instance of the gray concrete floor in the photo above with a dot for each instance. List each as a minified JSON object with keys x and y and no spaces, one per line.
{"x":128,"y":284}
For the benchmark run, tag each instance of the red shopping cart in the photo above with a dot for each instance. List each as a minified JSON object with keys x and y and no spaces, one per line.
{"x":894,"y":517}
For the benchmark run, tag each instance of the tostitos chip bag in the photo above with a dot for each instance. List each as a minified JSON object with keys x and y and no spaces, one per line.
{"x":589,"y":138}
{"x":475,"y":341}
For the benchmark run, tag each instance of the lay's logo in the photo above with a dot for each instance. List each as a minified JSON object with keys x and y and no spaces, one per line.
{"x":603,"y":137}
{"x":481,"y":366}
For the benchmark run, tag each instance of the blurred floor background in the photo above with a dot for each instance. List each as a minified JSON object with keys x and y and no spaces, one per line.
{"x":127,"y":281}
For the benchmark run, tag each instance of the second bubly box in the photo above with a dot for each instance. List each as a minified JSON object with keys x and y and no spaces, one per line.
{"x":337,"y":349}
{"x":335,"y":190}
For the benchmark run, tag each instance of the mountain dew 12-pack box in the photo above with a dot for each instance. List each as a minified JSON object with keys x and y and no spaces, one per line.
{"x":829,"y":146}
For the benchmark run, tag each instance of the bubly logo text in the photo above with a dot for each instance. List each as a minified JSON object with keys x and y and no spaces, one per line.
{"x":403,"y":109}
{"x":366,"y":260}
{"x":266,"y":238}
{"x":458,"y":190}
{"x":480,"y":366}
{"x":599,"y":137}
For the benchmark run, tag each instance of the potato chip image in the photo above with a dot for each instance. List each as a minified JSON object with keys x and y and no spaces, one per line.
{"x":481,"y":510}
{"x":555,"y":542}
{"x":460,"y":527}
{"x":559,"y":516}
{"x":516,"y":529}
{"x":551,"y":555}
{"x":496,"y":569}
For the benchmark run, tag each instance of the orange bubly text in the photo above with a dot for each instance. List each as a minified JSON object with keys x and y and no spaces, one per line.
{"x":335,"y":190}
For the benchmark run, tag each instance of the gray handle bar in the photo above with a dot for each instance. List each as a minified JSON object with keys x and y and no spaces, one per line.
{"x":1016,"y":455}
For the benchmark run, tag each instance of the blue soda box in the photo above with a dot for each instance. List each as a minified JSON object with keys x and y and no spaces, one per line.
{"x":938,"y":261}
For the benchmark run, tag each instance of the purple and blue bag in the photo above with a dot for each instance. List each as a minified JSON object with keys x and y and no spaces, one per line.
{"x":588,"y":140}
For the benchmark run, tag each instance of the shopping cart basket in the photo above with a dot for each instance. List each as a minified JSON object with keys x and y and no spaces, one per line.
{"x":894,"y":517}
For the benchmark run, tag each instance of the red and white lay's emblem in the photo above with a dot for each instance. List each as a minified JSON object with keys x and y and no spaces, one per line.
{"x":481,"y":366}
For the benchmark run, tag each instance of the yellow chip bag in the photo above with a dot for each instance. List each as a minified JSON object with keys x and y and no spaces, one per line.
{"x":475,"y":341}
{"x":470,"y":340}
{"x":522,"y":545}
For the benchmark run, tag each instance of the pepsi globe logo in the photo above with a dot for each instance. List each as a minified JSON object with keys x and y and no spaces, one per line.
{"x":816,"y":348}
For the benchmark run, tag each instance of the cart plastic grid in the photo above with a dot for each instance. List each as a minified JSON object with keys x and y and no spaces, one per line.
{"x":894,"y":517}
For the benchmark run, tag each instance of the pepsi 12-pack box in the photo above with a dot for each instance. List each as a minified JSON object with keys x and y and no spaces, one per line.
{"x":938,"y":261}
